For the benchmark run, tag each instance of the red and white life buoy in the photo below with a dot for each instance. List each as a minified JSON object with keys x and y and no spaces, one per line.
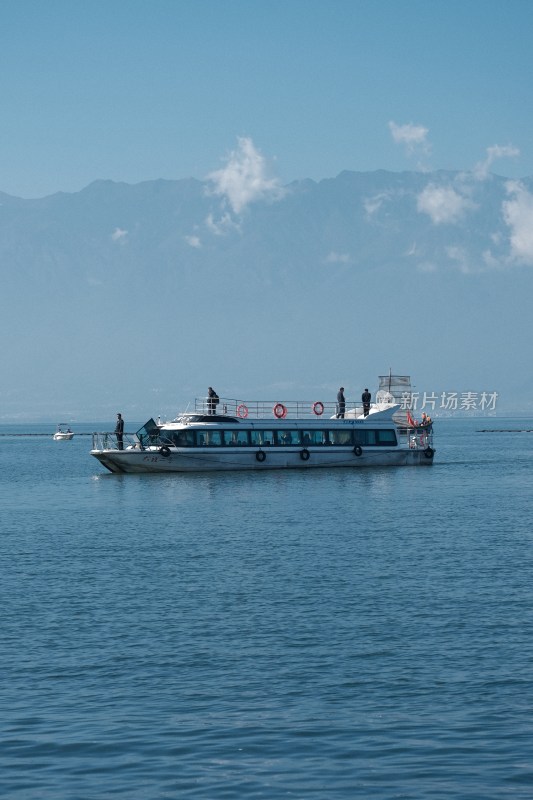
{"x":242,"y":411}
{"x":280,"y":411}
{"x":318,"y":408}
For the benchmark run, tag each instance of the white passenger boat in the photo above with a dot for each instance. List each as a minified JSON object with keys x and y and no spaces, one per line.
{"x":63,"y":433}
{"x":259,"y":435}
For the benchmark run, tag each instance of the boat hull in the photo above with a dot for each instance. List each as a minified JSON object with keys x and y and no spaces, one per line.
{"x":141,"y":461}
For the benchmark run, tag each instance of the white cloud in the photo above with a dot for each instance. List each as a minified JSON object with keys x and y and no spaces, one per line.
{"x":338,"y":258}
{"x":245,"y":178}
{"x":223,"y":225}
{"x":496,"y":151}
{"x":427,"y":266}
{"x":413,"y":138}
{"x":518,"y":215}
{"x":194,"y":241}
{"x":373,"y":204}
{"x":442,"y":203}
{"x":119,"y":235}
{"x":490,"y":260}
{"x":459,"y":256}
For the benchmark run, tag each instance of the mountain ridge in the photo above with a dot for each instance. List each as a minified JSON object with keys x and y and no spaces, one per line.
{"x":363,"y":267}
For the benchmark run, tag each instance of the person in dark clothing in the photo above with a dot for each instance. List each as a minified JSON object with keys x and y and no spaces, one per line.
{"x":212,"y":400}
{"x":119,"y":431}
{"x":366,"y":397}
{"x":341,"y":403}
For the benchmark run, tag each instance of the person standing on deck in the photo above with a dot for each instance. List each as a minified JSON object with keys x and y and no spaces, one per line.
{"x":341,"y":403}
{"x":366,"y":397}
{"x":212,"y":400}
{"x":119,"y":432}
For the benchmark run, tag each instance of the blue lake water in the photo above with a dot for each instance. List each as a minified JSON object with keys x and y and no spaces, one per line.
{"x":310,"y":634}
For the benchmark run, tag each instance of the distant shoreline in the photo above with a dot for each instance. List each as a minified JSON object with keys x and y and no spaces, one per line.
{"x":51,"y":433}
{"x":505,"y":430}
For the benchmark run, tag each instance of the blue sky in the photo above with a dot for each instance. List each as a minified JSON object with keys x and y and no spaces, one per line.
{"x":134,"y":90}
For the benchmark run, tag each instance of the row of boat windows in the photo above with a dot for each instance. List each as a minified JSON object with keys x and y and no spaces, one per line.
{"x":279,"y":438}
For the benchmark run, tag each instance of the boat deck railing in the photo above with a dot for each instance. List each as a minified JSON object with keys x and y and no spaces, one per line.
{"x":417,"y":438}
{"x":108,"y":441}
{"x":277,"y":409}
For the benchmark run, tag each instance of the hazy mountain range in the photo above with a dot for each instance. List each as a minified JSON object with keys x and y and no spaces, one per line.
{"x":137,"y":297}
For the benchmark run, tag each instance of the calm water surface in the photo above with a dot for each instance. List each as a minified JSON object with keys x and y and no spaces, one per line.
{"x":331,"y":634}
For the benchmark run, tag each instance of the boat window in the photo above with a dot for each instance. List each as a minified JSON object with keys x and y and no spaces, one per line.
{"x":330,"y":437}
{"x":286,"y":437}
{"x":260,"y":438}
{"x":312,"y":437}
{"x":340,"y":436}
{"x":174,"y":438}
{"x":213,"y":438}
{"x":387,"y":437}
{"x":183,"y":438}
{"x":236,"y":438}
{"x":368,"y":436}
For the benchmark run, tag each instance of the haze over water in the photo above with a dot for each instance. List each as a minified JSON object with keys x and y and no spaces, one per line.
{"x":324,"y":634}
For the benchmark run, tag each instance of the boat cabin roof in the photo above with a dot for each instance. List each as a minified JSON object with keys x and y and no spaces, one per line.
{"x":188,"y":419}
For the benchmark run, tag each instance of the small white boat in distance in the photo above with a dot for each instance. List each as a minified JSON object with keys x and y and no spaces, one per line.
{"x":63,"y":432}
